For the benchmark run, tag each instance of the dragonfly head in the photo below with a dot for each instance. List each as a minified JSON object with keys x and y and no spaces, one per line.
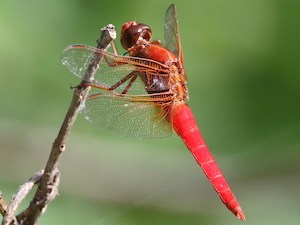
{"x":132,"y":32}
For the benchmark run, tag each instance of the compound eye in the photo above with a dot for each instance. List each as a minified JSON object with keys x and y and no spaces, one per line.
{"x":132,"y":32}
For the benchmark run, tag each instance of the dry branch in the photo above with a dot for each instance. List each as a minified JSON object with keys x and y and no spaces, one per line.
{"x":48,"y":179}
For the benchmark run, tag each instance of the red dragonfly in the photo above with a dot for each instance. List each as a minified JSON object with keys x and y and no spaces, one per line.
{"x":145,"y":94}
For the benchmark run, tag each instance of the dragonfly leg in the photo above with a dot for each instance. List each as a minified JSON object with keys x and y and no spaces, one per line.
{"x":113,"y":47}
{"x":111,"y":89}
{"x":130,"y":83}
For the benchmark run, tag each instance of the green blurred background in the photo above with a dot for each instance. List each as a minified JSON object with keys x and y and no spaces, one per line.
{"x":242,"y":61}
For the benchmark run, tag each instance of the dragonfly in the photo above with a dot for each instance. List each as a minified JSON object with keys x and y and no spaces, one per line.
{"x":144,"y":94}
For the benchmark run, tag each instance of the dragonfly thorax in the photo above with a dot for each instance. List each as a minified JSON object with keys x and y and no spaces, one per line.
{"x":178,"y":85}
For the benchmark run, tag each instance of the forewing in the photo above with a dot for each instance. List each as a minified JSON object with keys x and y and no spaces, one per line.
{"x":136,"y":117}
{"x":114,"y":68}
{"x":171,"y":30}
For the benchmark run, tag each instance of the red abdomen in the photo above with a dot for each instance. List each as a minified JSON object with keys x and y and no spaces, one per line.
{"x":186,"y":127}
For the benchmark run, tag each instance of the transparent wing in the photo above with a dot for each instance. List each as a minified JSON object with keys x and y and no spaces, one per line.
{"x":117,"y":71}
{"x":137,"y":117}
{"x":172,"y":38}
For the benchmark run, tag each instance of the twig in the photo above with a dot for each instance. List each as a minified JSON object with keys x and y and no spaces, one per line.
{"x":3,"y":205}
{"x":59,"y":144}
{"x":51,"y":193}
{"x":49,"y":179}
{"x":17,"y":199}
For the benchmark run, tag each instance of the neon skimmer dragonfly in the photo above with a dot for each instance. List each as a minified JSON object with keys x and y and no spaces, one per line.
{"x":145,"y":94}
